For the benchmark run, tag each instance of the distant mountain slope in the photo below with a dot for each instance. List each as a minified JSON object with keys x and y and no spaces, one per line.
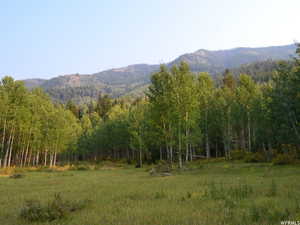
{"x":122,"y":81}
{"x":33,"y":83}
{"x":138,"y":73}
{"x":216,"y":61}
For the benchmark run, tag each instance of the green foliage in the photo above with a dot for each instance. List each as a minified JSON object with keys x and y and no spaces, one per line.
{"x":184,"y":116}
{"x":284,"y":103}
{"x":256,"y":157}
{"x":80,"y":167}
{"x":58,"y":208}
{"x":237,"y":154}
{"x":16,"y":176}
{"x":78,"y":95}
{"x":160,"y":195}
{"x":104,"y":105}
{"x":260,"y":71}
{"x":173,"y":106}
{"x":162,"y":168}
{"x":283,"y":159}
{"x":33,"y":128}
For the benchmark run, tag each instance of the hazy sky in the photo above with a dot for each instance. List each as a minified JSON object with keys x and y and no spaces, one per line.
{"x":46,"y":38}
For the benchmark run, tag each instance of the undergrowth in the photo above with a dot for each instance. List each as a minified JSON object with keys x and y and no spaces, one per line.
{"x":57,"y":208}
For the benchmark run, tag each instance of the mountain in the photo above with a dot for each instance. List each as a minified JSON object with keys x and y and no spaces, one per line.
{"x":216,"y":61}
{"x":33,"y":83}
{"x":133,"y":78}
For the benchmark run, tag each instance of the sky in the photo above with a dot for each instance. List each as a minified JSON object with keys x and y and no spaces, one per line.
{"x":47,"y":38}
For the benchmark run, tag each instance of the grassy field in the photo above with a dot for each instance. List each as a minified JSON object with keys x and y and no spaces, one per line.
{"x":208,"y":194}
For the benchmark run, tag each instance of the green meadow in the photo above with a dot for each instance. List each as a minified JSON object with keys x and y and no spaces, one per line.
{"x":203,"y":193}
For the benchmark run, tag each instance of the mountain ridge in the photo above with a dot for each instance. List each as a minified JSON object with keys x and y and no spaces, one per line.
{"x":119,"y":81}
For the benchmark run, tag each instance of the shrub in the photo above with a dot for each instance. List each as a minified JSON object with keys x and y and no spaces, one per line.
{"x":33,"y":211}
{"x":283,"y":159}
{"x":255,"y":157}
{"x":130,"y":162}
{"x":291,"y":150}
{"x":16,"y":176}
{"x":80,"y":167}
{"x":210,"y":160}
{"x":163,"y":168}
{"x":160,"y":195}
{"x":189,"y":195}
{"x":58,"y":208}
{"x":237,"y":154}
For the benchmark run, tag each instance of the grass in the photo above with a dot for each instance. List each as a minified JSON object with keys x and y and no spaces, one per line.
{"x":55,"y":209}
{"x":207,"y":193}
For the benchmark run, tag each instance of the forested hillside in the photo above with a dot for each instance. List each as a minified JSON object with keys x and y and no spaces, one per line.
{"x":132,"y":80}
{"x":183,"y":116}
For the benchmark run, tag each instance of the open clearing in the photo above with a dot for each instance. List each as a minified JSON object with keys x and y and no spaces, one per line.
{"x":208,"y":194}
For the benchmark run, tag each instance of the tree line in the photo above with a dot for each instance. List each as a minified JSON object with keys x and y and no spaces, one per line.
{"x":33,"y":129}
{"x":183,"y":116}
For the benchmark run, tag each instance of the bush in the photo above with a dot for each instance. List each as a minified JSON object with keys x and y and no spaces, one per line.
{"x":160,"y":195}
{"x":237,"y":154}
{"x":291,"y":150}
{"x":80,"y":167}
{"x":58,"y":208}
{"x":255,"y":157}
{"x":212,"y":160}
{"x":283,"y":159}
{"x":130,"y":162}
{"x":163,"y":167}
{"x":16,"y":176}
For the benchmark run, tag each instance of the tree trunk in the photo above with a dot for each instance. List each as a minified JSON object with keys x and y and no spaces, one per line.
{"x":191,"y":152}
{"x":3,"y":140}
{"x":171,"y":154}
{"x":228,"y":138}
{"x":242,"y":136}
{"x":160,"y":153}
{"x":207,"y":147}
{"x":51,"y":160}
{"x":54,"y":159}
{"x":179,"y":148}
{"x":29,"y":158}
{"x":37,"y":158}
{"x":7,"y":151}
{"x":45,"y":159}
{"x":249,"y":133}
{"x":10,"y":150}
{"x":26,"y":153}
